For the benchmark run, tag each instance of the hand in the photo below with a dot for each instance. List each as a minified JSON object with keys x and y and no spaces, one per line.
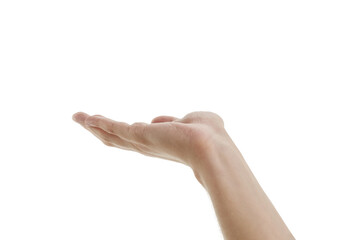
{"x":189,"y":140}
{"x":199,"y":140}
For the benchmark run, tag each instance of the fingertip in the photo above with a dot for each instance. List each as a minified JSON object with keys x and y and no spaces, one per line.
{"x":79,"y":117}
{"x":74,"y":115}
{"x":161,"y":119}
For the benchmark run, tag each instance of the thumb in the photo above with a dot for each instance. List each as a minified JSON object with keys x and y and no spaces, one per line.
{"x":161,"y":119}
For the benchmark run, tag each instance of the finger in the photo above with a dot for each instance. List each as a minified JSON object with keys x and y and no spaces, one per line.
{"x":114,"y":141}
{"x":109,"y":139}
{"x":102,"y":128}
{"x":80,"y":117}
{"x":161,"y":119}
{"x":134,"y":133}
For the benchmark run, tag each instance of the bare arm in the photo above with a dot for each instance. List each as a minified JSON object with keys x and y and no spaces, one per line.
{"x":199,"y":140}
{"x":242,"y":208}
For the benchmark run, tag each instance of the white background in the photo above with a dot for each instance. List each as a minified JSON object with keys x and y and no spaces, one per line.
{"x":283,"y":75}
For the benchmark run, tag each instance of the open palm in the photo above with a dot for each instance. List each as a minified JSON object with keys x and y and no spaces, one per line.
{"x":184,"y":140}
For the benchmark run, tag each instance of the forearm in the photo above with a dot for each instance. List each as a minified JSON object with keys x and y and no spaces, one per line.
{"x":200,"y":141}
{"x":242,"y":208}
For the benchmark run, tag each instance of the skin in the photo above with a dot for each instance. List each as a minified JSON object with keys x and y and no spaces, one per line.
{"x":200,"y":141}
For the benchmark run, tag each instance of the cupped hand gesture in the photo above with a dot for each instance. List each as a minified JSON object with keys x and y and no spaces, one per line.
{"x":189,"y":140}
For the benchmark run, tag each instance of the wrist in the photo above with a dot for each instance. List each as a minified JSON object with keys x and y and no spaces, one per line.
{"x":237,"y":196}
{"x":221,"y":160}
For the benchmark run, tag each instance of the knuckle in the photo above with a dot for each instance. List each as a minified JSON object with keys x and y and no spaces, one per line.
{"x":214,"y":115}
{"x":91,"y":120}
{"x":138,"y":131}
{"x":111,"y":128}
